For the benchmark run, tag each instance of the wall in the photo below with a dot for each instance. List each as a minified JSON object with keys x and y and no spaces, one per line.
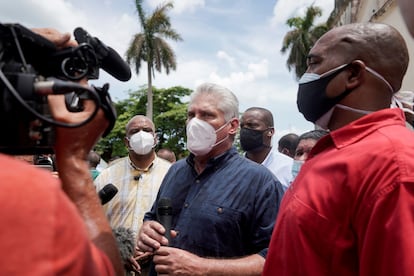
{"x":382,"y":11}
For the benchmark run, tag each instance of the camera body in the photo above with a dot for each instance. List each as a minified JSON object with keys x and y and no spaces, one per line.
{"x":28,"y":60}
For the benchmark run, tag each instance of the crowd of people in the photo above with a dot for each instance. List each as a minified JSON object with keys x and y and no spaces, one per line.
{"x":336,"y":200}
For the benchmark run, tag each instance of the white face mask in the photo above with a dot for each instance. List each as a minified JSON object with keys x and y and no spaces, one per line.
{"x":201,"y":136}
{"x":141,"y":142}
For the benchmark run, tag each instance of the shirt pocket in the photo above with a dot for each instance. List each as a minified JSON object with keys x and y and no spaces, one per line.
{"x":216,"y":230}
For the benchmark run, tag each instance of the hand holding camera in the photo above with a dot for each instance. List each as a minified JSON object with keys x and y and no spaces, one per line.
{"x":34,"y":66}
{"x":47,"y":106}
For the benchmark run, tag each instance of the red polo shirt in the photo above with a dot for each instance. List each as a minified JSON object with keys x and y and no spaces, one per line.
{"x":41,"y":231}
{"x":350,"y":210}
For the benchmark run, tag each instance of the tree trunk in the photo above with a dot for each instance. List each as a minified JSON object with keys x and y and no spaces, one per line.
{"x":149,"y":93}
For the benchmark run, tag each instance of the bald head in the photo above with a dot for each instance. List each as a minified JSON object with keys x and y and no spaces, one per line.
{"x":167,"y":154}
{"x":380,"y":46}
{"x":140,"y":120}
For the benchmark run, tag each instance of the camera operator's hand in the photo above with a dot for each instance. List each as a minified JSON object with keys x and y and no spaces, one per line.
{"x":76,"y":142}
{"x":72,"y":146}
{"x":61,"y":40}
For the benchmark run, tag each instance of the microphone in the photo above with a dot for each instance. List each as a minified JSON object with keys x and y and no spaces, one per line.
{"x":126,"y":242}
{"x":164,"y":215}
{"x":137,"y":177}
{"x":107,"y":193}
{"x":109,"y":59}
{"x":114,"y":65}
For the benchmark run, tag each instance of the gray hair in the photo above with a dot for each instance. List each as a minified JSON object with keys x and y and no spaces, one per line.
{"x":227,"y":102}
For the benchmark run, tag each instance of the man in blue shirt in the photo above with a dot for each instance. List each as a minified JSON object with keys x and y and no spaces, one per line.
{"x":223,"y":205}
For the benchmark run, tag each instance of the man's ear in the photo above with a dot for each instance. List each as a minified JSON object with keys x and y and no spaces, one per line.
{"x":234,"y":123}
{"x":285,"y":151}
{"x":270,"y":132}
{"x":126,"y":142}
{"x":155,"y":138}
{"x":357,"y":74}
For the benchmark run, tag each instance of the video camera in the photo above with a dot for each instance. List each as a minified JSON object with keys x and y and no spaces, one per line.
{"x":31,"y":67}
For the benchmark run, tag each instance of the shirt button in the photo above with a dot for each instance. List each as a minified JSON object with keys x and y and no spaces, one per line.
{"x":185,"y":205}
{"x":197,"y":181}
{"x":219,"y":210}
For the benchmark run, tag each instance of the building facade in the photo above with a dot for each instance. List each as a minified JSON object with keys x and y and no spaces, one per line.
{"x":382,"y":11}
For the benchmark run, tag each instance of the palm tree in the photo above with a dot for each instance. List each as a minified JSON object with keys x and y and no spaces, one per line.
{"x":301,"y":39}
{"x":150,"y":45}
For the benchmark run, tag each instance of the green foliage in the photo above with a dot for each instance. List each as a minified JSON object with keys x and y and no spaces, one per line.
{"x":170,"y":113}
{"x":300,"y":40}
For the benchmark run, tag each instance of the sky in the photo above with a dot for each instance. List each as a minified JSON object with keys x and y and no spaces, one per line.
{"x":235,"y":43}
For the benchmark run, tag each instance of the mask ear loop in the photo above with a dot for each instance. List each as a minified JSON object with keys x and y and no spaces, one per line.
{"x":395,"y":102}
{"x":156,"y":140}
{"x":356,"y":110}
{"x":223,"y":126}
{"x":376,"y":74}
{"x":220,"y":128}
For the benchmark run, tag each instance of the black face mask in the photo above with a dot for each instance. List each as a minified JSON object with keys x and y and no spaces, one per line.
{"x":251,"y":139}
{"x":312,"y":100}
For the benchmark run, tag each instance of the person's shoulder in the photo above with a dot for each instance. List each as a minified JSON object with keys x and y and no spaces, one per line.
{"x":162,"y":161}
{"x":248,"y":164}
{"x":11,"y":161}
{"x":262,"y":176}
{"x":117,"y":168}
{"x":17,"y":176}
{"x":120,"y":162}
{"x":20,"y":169}
{"x":280,"y":156}
{"x":179,"y":165}
{"x":399,"y":138}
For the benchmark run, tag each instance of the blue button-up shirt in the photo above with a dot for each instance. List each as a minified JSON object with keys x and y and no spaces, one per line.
{"x":228,"y":210}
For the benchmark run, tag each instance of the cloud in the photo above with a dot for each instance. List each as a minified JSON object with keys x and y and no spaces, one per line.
{"x":254,"y":72}
{"x":226,"y":57}
{"x":260,"y":69}
{"x":61,"y":14}
{"x":238,"y":48}
{"x":285,"y":9}
{"x":180,"y":6}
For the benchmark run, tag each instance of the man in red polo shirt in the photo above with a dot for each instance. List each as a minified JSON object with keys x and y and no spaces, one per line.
{"x":350,"y":209}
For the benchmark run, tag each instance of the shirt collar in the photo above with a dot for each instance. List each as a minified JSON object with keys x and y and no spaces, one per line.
{"x":214,"y":161}
{"x":141,"y":169}
{"x":359,"y":129}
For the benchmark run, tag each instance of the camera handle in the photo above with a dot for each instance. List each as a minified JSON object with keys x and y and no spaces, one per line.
{"x":53,"y":86}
